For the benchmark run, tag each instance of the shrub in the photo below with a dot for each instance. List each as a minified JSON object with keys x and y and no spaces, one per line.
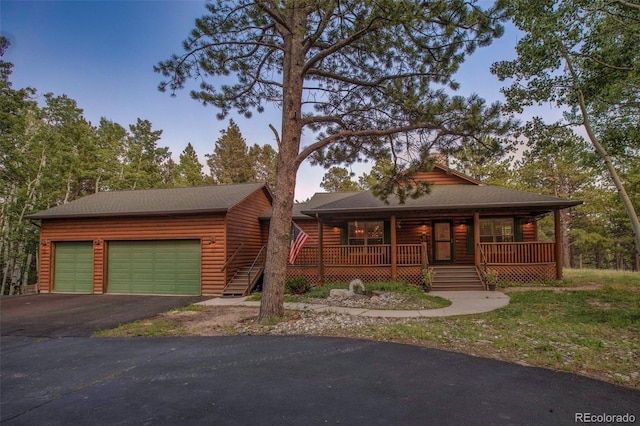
{"x":297,"y":285}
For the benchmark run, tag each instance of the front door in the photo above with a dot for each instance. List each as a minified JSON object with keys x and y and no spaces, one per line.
{"x":443,"y":241}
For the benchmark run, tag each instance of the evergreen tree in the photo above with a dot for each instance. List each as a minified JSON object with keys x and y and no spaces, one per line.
{"x":70,"y":147}
{"x":338,"y":179}
{"x":52,"y":155}
{"x":264,"y":159}
{"x":190,"y":169}
{"x":382,"y":167}
{"x":230,"y":161}
{"x":555,"y":164}
{"x":111,"y":142}
{"x":485,"y":159}
{"x":170,"y":174}
{"x":21,"y":164}
{"x":367,"y":70}
{"x":143,"y":159}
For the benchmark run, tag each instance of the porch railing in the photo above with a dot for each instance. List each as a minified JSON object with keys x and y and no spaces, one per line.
{"x":515,"y":253}
{"x":411,"y":254}
{"x":344,"y":255}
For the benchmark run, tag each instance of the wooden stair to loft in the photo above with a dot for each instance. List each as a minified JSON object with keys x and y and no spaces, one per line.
{"x":456,"y":277}
{"x":241,"y":285}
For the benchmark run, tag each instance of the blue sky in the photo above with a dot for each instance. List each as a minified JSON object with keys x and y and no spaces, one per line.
{"x":102,"y":53}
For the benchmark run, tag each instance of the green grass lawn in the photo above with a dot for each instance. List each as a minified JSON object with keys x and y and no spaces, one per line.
{"x":584,"y":278}
{"x":590,"y":332}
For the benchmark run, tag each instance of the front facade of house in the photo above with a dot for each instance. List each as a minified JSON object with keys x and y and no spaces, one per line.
{"x":210,"y":240}
{"x":461,"y":228}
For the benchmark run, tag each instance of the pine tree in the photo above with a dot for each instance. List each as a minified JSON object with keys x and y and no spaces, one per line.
{"x":230,"y":161}
{"x":190,"y":168}
{"x":143,"y":159}
{"x":338,"y":179}
{"x":367,"y":71}
{"x":111,"y":138}
{"x":264,"y":159}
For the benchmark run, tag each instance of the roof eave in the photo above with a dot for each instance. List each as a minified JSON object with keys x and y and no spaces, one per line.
{"x":550,"y":205}
{"x":127,"y":214}
{"x":263,"y":187}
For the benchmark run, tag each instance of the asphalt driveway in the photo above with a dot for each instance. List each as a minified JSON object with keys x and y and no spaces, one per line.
{"x":269,"y":380}
{"x":65,"y":315}
{"x":52,"y":373}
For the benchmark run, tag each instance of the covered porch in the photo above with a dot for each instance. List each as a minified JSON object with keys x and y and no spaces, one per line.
{"x":400,"y":247}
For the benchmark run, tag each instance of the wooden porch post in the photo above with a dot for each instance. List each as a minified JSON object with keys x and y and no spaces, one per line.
{"x":320,"y":252}
{"x":394,"y":268}
{"x":476,"y":239}
{"x":558,"y":234}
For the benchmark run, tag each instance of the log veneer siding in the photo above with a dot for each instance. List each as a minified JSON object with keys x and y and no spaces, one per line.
{"x":439,"y":176}
{"x":102,"y":230}
{"x":243,"y":229}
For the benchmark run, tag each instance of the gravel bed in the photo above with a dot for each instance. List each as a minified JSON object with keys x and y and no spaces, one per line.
{"x":379,"y":300}
{"x":313,"y":323}
{"x":329,"y":323}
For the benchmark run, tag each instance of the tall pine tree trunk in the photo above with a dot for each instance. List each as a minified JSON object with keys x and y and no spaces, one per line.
{"x":280,"y":227}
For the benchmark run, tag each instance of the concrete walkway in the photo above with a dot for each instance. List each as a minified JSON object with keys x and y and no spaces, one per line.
{"x":462,"y":303}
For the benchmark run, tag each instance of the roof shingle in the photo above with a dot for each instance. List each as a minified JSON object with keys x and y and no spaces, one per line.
{"x":214,"y":198}
{"x":444,"y":197}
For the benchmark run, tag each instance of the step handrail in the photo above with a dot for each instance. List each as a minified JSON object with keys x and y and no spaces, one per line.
{"x":233,"y":256}
{"x":483,"y":269}
{"x":262,"y":250}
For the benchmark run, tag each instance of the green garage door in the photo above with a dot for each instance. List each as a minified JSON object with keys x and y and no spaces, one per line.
{"x":154,"y":267}
{"x":73,"y":269}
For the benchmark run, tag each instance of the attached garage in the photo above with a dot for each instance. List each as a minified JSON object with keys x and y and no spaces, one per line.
{"x":154,"y":267}
{"x":73,"y":270}
{"x":179,"y":241}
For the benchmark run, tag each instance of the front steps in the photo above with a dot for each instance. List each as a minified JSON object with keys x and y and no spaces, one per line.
{"x":456,"y":277}
{"x":240,"y":284}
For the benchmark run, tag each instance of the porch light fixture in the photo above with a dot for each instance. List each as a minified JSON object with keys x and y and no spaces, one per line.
{"x":97,"y":243}
{"x":212,"y":240}
{"x":43,"y":243}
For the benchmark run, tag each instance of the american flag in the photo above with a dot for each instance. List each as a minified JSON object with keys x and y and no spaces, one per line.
{"x":298,"y":239}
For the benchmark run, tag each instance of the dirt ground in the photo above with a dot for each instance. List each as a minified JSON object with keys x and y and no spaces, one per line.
{"x":212,"y":320}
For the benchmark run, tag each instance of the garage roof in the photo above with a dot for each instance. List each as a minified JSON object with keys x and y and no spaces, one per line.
{"x":145,"y":202}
